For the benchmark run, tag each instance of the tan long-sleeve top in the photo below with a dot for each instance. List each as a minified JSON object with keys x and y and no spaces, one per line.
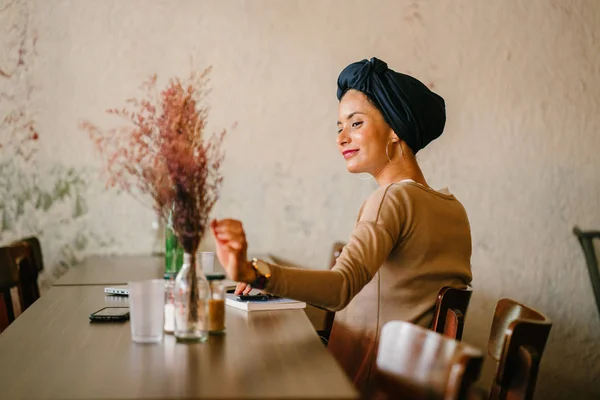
{"x":409,"y":242}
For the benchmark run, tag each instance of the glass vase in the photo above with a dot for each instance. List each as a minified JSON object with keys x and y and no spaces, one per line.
{"x":191,"y":297}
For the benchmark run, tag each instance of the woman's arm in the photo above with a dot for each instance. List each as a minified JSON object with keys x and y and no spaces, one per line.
{"x":371,"y":241}
{"x":367,"y":249}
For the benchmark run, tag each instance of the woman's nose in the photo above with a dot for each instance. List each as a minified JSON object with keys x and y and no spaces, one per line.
{"x":342,"y":138}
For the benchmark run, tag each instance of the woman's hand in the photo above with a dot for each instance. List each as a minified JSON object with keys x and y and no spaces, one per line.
{"x":242,"y":288}
{"x":232,"y":248}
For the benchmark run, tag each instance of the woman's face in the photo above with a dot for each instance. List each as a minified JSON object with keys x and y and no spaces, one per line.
{"x":362,"y":134}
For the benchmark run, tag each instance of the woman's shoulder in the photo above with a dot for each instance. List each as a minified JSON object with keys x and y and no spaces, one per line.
{"x":400,"y":195}
{"x":404,"y":188}
{"x":409,"y":189}
{"x":383,"y":193}
{"x":387,"y":197}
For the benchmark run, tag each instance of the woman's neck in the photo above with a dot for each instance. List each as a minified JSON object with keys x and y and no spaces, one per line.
{"x":407,"y":168}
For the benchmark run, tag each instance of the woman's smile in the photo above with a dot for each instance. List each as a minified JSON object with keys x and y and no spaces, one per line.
{"x":349,"y":153}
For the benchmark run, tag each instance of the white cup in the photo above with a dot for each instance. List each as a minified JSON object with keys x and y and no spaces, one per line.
{"x":206,"y":259}
{"x":147,"y":305}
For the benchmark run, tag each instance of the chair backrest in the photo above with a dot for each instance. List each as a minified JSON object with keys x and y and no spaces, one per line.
{"x":18,"y":281}
{"x":414,"y":362}
{"x":517,"y":341}
{"x":36,"y":252}
{"x":592,"y":253}
{"x":450,"y":311}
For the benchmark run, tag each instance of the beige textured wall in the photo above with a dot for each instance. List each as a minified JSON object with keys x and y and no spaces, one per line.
{"x":522,"y":85}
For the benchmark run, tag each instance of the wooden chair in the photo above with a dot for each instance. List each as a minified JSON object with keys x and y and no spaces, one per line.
{"x":517,"y":340}
{"x":18,"y":281}
{"x":36,"y":252}
{"x":450,"y":311}
{"x":4,"y":320}
{"x":587,"y":239}
{"x":416,"y":363}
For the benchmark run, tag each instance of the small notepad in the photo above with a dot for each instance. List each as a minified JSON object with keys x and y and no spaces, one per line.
{"x":277,"y":303}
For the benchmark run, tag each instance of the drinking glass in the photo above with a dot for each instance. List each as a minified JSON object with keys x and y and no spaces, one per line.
{"x":147,"y":304}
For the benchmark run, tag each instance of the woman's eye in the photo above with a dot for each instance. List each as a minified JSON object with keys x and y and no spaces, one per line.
{"x":356,"y":124}
{"x":339,"y":130}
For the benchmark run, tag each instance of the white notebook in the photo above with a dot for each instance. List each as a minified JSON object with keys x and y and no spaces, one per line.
{"x":278,"y":303}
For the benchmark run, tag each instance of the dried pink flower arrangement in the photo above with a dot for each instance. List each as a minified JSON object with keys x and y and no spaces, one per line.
{"x":165,"y":154}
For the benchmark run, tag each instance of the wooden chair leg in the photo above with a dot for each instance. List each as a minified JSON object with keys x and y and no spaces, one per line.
{"x":4,"y":320}
{"x":8,"y":305}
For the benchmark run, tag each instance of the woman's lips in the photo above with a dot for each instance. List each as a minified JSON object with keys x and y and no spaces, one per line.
{"x":349,"y":153}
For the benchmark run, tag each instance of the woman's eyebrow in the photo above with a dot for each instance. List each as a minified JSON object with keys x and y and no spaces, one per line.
{"x":352,"y":114}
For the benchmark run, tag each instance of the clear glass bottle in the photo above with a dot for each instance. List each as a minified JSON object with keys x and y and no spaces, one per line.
{"x":216,"y":303}
{"x":191,"y":310}
{"x":169,"y":303}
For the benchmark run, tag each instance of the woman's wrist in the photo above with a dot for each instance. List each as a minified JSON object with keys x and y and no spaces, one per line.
{"x":262,"y":272}
{"x":249,"y":274}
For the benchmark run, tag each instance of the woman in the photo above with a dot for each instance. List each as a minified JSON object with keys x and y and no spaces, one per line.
{"x":409,"y":240}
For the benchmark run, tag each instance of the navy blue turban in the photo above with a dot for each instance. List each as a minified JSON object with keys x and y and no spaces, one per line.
{"x":414,"y":112}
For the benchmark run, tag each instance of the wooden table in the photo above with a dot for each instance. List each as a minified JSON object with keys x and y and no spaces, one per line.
{"x":52,"y":351}
{"x":118,"y":270}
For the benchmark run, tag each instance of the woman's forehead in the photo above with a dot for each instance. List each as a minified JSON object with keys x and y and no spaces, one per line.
{"x":354,"y":102}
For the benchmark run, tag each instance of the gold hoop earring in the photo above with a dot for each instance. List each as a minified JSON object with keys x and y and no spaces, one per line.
{"x":386,"y":150}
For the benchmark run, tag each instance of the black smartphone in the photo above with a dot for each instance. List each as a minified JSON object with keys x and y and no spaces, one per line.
{"x":252,"y":297}
{"x":110,"y":314}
